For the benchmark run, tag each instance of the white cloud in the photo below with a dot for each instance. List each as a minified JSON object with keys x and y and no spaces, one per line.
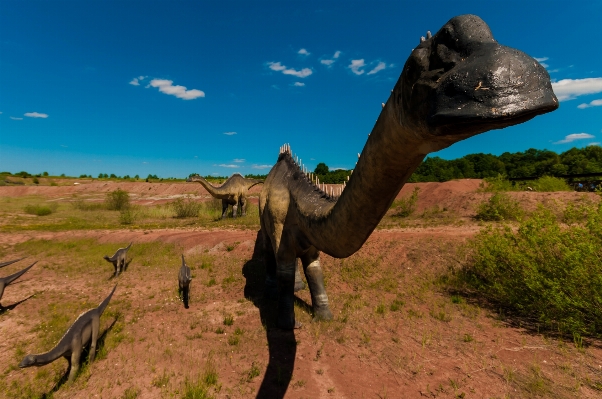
{"x":63,"y":145}
{"x":569,"y":89}
{"x":329,"y":62}
{"x":239,"y":160}
{"x":299,"y":84}
{"x":596,"y":143}
{"x":277,"y":66}
{"x":223,"y":165}
{"x":261,"y":166}
{"x":16,"y":119}
{"x":356,"y":66}
{"x":303,"y":52}
{"x":167,"y":87}
{"x":595,"y":103}
{"x":336,"y":54}
{"x":575,"y":136}
{"x":0,"y":112}
{"x":381,"y":65}
{"x":134,"y":82}
{"x":35,"y":115}
{"x":230,"y":133}
{"x":541,"y":59}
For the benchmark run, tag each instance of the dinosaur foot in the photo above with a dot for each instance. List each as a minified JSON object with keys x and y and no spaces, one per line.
{"x":323,"y":314}
{"x":299,"y":285}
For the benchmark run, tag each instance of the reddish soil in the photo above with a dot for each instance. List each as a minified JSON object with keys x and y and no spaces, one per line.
{"x":413,"y":353}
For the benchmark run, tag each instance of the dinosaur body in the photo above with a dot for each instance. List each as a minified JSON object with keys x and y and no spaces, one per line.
{"x":4,"y":281}
{"x":118,"y":260}
{"x":184,"y":279}
{"x":83,"y":331}
{"x":233,"y":192}
{"x":455,"y":84}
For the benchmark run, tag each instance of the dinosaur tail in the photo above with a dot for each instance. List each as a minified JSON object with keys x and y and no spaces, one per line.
{"x":10,"y":262}
{"x":13,"y":277}
{"x":103,"y":305}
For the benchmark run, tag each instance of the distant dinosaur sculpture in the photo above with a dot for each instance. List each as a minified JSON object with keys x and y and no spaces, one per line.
{"x":118,"y":260}
{"x":233,"y":192}
{"x":455,"y":84}
{"x":184,"y":279}
{"x":83,"y":331}
{"x":4,"y":281}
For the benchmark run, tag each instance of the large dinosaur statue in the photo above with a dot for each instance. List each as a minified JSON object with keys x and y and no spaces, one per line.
{"x":455,"y":84}
{"x":118,"y":259}
{"x":184,"y":279}
{"x":232,"y":192}
{"x":4,"y":281}
{"x":83,"y":331}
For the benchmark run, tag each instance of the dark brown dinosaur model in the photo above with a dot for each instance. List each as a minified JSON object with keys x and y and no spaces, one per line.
{"x":118,"y":260}
{"x":456,"y":84}
{"x":184,"y":279}
{"x":82,"y":332}
{"x":233,"y":192}
{"x":4,"y":281}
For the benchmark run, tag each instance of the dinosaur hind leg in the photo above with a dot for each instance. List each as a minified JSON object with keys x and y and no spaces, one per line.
{"x":76,"y":352}
{"x":286,"y":261}
{"x":242,"y":203}
{"x":315,"y":280}
{"x":224,"y":209}
{"x":299,"y":284}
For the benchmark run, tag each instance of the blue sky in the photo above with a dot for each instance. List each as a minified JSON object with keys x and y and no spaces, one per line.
{"x":175,"y":87}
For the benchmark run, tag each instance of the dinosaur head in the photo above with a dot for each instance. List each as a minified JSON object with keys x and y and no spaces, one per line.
{"x":192,"y":178}
{"x":461,"y":82}
{"x":28,"y":361}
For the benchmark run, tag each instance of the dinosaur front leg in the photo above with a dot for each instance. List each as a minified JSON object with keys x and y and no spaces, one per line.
{"x":224,"y":209}
{"x":299,"y":284}
{"x":243,"y":206}
{"x":234,"y":207}
{"x":76,"y":352}
{"x":94,"y":338}
{"x":116,"y":266}
{"x":286,"y":261}
{"x":315,"y":280}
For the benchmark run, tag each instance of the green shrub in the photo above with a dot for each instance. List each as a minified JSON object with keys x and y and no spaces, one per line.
{"x":544,"y":271}
{"x":550,"y":183}
{"x":406,"y":206}
{"x":36,"y":181}
{"x":500,"y":206}
{"x":40,"y":210}
{"x":495,"y":184}
{"x":117,"y":200}
{"x":186,"y":208}
{"x":128,"y":215}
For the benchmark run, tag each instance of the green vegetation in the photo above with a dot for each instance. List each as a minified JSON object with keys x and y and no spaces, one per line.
{"x":39,"y":210}
{"x":545,"y":271}
{"x":500,"y":206}
{"x":543,"y":184}
{"x":117,"y":200}
{"x":186,"y":208}
{"x":404,"y":207}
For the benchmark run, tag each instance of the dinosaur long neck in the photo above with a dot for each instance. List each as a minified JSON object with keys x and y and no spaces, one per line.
{"x":253,"y":182}
{"x":389,"y":158}
{"x":103,"y":305}
{"x":53,"y":354}
{"x":216,"y":192}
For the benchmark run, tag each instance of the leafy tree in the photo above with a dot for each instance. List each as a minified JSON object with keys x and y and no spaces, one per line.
{"x":321,"y":169}
{"x":45,"y":174}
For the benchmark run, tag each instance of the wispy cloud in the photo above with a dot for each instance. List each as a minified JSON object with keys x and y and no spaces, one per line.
{"x":596,"y":143}
{"x":379,"y":67}
{"x":239,"y":160}
{"x":35,"y":115}
{"x":167,"y":87}
{"x":261,"y":166}
{"x":357,"y":66}
{"x":330,"y":61}
{"x":541,"y":59}
{"x":230,"y":133}
{"x":14,"y":118}
{"x":223,"y":165}
{"x":575,"y":136}
{"x":303,"y":52}
{"x":63,"y":145}
{"x":569,"y":89}
{"x":298,"y":84}
{"x":134,"y":82}
{"x":595,"y":103}
{"x":277,"y":66}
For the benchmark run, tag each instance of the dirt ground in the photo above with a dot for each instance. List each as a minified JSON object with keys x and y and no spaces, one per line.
{"x":431,"y":346}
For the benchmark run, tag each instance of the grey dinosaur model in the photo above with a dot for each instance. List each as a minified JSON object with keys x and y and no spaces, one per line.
{"x":184,"y":279}
{"x":4,"y":281}
{"x":118,"y":260}
{"x":233,"y":192}
{"x":83,"y":331}
{"x":456,"y":84}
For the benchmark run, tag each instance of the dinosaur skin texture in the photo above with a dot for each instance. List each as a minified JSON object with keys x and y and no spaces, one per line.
{"x":4,"y":281}
{"x":456,"y":84}
{"x":83,"y":331}
{"x":184,"y":279}
{"x":233,"y":192}
{"x":118,"y":259}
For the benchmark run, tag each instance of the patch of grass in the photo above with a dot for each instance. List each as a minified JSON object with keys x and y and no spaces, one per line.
{"x":396,"y":305}
{"x":128,"y":215}
{"x":404,"y":207}
{"x":550,"y":184}
{"x":117,"y":200}
{"x":228,"y":320}
{"x":253,"y":372}
{"x":381,"y":309}
{"x":233,"y":340}
{"x":211,"y":282}
{"x":186,"y":207}
{"x":499,"y":207}
{"x":39,"y":210}
{"x":219,"y":330}
{"x":131,"y":393}
{"x":161,"y":380}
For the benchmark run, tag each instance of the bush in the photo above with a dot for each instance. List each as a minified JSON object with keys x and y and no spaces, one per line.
{"x":406,"y":206}
{"x":40,"y":210}
{"x":117,"y":200}
{"x":186,"y":208}
{"x":128,"y":215}
{"x":499,"y":207}
{"x":543,"y":271}
{"x":550,"y":183}
{"x":495,"y":184}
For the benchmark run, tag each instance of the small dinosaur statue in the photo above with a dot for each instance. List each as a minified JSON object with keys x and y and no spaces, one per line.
{"x":456,"y":84}
{"x":84,"y":330}
{"x":4,"y":281}
{"x":184,"y":279}
{"x":118,"y":260}
{"x":233,"y":192}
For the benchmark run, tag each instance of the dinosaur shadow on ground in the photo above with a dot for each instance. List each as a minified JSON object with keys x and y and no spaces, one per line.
{"x":100,"y":343}
{"x":4,"y":309}
{"x":282,"y":344}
